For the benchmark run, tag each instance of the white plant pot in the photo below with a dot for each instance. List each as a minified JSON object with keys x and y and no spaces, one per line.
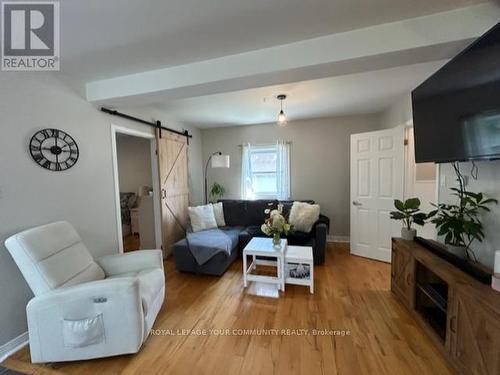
{"x":408,"y":234}
{"x":459,"y":251}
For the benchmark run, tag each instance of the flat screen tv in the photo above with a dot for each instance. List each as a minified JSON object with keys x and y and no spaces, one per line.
{"x":456,"y":112}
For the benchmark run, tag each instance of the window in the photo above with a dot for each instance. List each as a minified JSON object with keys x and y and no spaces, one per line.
{"x":266,"y":171}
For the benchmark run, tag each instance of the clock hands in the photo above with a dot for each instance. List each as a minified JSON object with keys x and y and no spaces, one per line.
{"x":50,"y":149}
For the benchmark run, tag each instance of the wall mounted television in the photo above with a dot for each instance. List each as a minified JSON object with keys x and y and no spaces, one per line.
{"x":456,"y":112}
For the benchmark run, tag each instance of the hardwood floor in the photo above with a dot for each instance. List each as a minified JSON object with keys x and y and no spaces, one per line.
{"x":131,"y":242}
{"x":351,"y":294}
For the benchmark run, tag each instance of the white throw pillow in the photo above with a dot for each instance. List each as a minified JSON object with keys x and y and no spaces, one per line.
{"x":219,"y":214}
{"x":303,"y":216}
{"x":202,"y":217}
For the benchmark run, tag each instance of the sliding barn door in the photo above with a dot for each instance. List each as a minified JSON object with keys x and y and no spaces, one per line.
{"x":173,"y":170}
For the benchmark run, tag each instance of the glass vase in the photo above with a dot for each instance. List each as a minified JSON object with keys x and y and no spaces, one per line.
{"x":276,"y":240}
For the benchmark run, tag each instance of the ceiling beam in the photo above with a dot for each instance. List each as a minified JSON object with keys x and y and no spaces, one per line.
{"x":415,"y":40}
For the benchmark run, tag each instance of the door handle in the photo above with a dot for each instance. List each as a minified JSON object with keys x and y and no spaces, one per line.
{"x":356,"y":203}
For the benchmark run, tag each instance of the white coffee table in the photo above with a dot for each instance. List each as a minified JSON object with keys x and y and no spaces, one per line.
{"x":263,"y":247}
{"x":299,"y":255}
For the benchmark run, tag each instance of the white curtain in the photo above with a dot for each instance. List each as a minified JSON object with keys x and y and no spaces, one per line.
{"x":246,"y":173}
{"x":283,"y":170}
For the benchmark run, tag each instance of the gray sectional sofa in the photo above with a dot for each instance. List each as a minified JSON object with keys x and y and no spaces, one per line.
{"x":243,"y":219}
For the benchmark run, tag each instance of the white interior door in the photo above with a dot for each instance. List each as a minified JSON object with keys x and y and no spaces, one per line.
{"x":377,"y":178}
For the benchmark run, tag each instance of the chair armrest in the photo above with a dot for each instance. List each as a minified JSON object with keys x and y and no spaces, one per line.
{"x":134,"y":261}
{"x":90,"y":320}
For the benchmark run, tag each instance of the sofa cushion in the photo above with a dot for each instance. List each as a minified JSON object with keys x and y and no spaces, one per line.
{"x":234,"y":212}
{"x":256,"y":211}
{"x":297,"y":238}
{"x":294,"y":238}
{"x":255,"y":231}
{"x":233,"y":233}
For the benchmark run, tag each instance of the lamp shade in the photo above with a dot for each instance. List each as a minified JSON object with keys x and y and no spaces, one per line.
{"x":220,"y":161}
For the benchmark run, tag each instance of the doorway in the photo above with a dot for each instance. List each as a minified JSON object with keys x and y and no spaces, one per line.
{"x":136,"y":183}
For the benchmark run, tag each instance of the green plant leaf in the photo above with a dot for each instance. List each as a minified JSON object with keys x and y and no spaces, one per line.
{"x":412,"y":203}
{"x":432,"y":214}
{"x":399,"y":205}
{"x":490,"y":200}
{"x":396,"y":215}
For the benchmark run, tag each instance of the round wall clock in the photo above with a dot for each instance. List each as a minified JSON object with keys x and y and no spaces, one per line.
{"x":54,"y":149}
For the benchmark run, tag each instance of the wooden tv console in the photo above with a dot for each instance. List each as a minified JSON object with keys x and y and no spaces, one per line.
{"x":461,"y":315}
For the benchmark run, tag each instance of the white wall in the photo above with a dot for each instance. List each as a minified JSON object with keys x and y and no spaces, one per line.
{"x":319,"y":159}
{"x":399,"y":113}
{"x":134,"y":162}
{"x":30,"y":195}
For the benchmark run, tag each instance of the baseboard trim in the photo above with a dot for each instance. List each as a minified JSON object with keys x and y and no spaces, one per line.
{"x":9,"y":348}
{"x":338,"y":239}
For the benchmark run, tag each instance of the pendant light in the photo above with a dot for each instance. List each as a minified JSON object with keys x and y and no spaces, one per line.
{"x":281,"y":116}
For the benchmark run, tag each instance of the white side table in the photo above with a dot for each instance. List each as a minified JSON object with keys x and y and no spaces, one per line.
{"x":263,"y":247}
{"x":299,"y":255}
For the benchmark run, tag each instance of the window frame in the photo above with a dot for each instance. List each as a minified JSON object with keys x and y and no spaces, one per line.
{"x":264,"y":148}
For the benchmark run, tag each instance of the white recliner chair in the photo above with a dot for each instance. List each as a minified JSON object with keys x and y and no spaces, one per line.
{"x":85,"y":308}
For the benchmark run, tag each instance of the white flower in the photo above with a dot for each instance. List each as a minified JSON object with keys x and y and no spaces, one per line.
{"x":265,"y":229}
{"x":267,"y":211}
{"x":278,"y":222}
{"x":280,"y":208}
{"x":274,"y":213}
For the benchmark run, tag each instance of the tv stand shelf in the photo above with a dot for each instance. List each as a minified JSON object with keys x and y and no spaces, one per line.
{"x":434,"y":296}
{"x":460,"y":314}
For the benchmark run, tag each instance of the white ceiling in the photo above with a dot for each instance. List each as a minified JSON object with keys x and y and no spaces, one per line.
{"x":103,"y":39}
{"x":361,"y":93}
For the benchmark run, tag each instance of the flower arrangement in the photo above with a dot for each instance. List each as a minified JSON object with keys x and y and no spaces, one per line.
{"x":276,"y":224}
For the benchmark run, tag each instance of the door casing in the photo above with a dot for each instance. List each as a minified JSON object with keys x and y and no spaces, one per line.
{"x":156,"y":184}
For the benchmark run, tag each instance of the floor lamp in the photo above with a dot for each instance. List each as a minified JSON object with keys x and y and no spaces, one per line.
{"x":218,"y":161}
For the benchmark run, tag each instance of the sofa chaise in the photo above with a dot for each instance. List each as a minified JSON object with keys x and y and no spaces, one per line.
{"x":243,"y":221}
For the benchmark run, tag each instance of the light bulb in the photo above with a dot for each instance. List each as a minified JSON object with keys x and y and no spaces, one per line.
{"x":282,"y":118}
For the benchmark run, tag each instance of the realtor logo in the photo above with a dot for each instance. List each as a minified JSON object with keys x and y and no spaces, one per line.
{"x":30,"y":35}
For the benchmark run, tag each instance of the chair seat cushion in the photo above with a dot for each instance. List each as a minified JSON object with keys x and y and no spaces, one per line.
{"x":151,"y":282}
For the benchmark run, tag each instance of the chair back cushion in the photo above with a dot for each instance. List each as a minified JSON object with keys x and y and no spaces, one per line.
{"x":53,"y":256}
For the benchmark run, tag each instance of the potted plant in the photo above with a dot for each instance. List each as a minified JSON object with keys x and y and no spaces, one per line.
{"x":276,"y":224}
{"x":217,"y":191}
{"x":460,"y":223}
{"x":409,"y":213}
